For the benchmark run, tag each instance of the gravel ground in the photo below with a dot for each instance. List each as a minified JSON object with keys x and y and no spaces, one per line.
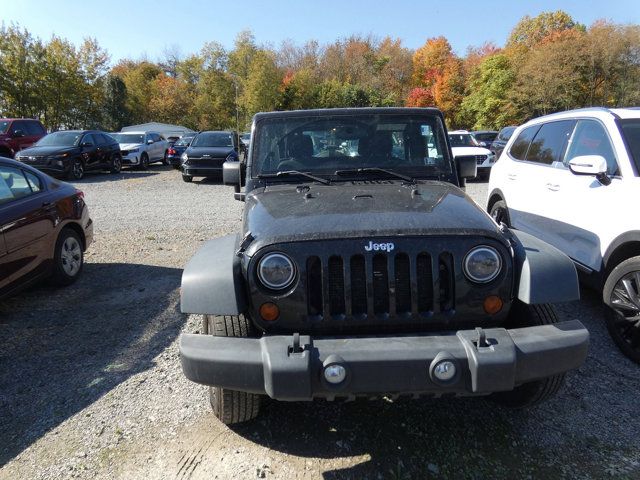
{"x":91,"y":386}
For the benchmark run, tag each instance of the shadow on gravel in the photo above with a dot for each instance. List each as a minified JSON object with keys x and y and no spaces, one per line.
{"x":62,"y":349}
{"x":100,"y":177}
{"x":573,"y":435}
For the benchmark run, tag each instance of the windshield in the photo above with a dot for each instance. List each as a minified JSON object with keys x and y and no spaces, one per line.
{"x":213,"y":139}
{"x":324,"y":144}
{"x":183,"y":142}
{"x":487,"y":137}
{"x":128,"y":137}
{"x":631,"y":133}
{"x":462,"y":140}
{"x":60,"y":139}
{"x":4,"y":126}
{"x":245,"y":136}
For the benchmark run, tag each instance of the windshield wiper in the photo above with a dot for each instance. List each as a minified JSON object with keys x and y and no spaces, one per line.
{"x":351,"y":171}
{"x":290,"y":173}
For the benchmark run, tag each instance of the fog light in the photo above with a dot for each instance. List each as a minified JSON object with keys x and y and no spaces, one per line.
{"x":492,"y":304}
{"x":269,"y":311}
{"x":335,"y":374}
{"x":445,"y":370}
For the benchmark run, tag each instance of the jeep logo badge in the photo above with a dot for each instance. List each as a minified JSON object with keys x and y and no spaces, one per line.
{"x":385,"y":247}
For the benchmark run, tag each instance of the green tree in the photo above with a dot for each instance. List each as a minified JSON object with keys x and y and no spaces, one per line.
{"x":115,"y":113}
{"x":261,"y":90}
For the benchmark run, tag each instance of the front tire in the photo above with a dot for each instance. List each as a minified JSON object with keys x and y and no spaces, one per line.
{"x":116,"y":164}
{"x":531,"y":393}
{"x":500,"y":213}
{"x":76,"y":172}
{"x":231,"y":406}
{"x":144,"y":161}
{"x":68,"y":258}
{"x":621,"y":295}
{"x":165,"y":159}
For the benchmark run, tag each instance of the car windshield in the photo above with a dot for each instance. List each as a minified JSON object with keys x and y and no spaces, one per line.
{"x":505,"y":133}
{"x":245,"y":136}
{"x":462,"y":140}
{"x":631,"y":133}
{"x":128,"y":137}
{"x":60,"y":139}
{"x":213,"y":139}
{"x":183,"y":142}
{"x":322,"y":144}
{"x":487,"y":137}
{"x":4,"y":126}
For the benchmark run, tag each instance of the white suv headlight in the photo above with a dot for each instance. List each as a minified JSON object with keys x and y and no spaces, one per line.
{"x":482,"y":264}
{"x":276,"y":271}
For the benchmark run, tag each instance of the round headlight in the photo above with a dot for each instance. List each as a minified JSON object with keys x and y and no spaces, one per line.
{"x":276,"y":271}
{"x":482,"y":264}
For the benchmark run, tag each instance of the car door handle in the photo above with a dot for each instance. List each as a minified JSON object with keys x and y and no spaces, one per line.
{"x":554,"y":187}
{"x":512,"y":176}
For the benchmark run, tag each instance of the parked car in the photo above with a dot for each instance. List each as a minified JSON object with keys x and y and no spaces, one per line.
{"x":71,"y":153}
{"x":45,"y":228}
{"x":484,"y":137}
{"x":498,"y":144}
{"x":141,"y":149}
{"x":371,"y":275}
{"x":572,"y":179}
{"x":463,"y":144}
{"x":206,"y":153}
{"x":19,"y":133}
{"x":175,"y":151}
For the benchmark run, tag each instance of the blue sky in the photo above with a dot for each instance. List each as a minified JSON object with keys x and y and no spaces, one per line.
{"x":136,"y":28}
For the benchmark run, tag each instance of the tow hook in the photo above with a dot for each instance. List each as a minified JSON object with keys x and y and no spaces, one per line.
{"x":295,"y":347}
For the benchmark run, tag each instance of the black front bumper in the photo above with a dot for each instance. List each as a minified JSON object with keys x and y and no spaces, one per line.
{"x":384,"y":365}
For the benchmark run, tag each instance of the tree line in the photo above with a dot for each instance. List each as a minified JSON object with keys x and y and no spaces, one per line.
{"x":549,"y":63}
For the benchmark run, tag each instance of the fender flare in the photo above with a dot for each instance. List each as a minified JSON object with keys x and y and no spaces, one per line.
{"x":626,"y":237}
{"x":212,"y":280}
{"x":544,"y":273}
{"x":496,"y":192}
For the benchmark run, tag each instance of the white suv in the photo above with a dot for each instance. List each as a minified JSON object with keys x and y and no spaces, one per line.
{"x":572,"y":179}
{"x":142,"y":148}
{"x":464,"y":144}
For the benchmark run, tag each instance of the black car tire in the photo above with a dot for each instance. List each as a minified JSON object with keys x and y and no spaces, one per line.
{"x":76,"y":171}
{"x":68,"y":247}
{"x":623,"y":322}
{"x":500,"y":213}
{"x":187,"y":178}
{"x":144,"y":161}
{"x":231,"y":406}
{"x":116,"y":164}
{"x":531,"y":393}
{"x":165,"y":159}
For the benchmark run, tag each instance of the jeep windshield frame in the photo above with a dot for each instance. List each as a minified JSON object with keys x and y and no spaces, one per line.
{"x":407,"y":142}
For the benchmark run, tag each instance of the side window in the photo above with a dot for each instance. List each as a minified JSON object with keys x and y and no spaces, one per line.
{"x":156,"y":137}
{"x":88,"y":138}
{"x":590,"y":138}
{"x":13,"y":185}
{"x":549,"y":143}
{"x":100,"y":138}
{"x":33,"y":129}
{"x":18,"y":125}
{"x":34,"y":182}
{"x":521,"y":145}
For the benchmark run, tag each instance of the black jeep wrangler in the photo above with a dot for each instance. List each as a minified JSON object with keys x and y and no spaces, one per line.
{"x":363,"y":270}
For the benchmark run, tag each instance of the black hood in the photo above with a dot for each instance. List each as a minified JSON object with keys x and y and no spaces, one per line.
{"x":47,"y":150}
{"x":212,"y":152}
{"x":284,"y":213}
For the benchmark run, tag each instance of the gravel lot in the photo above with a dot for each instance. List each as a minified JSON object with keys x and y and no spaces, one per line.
{"x":91,"y":385}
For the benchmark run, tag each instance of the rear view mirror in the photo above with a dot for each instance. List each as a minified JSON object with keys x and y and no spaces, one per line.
{"x":467,"y":166}
{"x":594,"y":165}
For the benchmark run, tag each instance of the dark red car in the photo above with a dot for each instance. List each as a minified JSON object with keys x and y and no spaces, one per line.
{"x":45,"y":228}
{"x":17,"y":134}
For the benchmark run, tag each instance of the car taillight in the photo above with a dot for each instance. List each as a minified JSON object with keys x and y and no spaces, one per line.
{"x":171,"y":151}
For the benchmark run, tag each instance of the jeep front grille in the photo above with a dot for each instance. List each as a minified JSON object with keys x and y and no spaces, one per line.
{"x":380,"y":285}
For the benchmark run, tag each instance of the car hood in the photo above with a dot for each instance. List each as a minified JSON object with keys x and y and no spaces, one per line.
{"x":463,"y":151}
{"x":285,"y":213}
{"x":213,"y":152}
{"x":129,"y":146}
{"x":46,"y":150}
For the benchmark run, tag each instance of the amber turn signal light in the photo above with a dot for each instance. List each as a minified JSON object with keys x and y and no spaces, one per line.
{"x":492,"y":304}
{"x":269,"y":311}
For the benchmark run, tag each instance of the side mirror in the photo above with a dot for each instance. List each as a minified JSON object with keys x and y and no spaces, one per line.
{"x":231,"y":174}
{"x":594,"y":165}
{"x":482,"y":144}
{"x":17,"y":133}
{"x":86,"y":144}
{"x":467,"y":166}
{"x":149,"y":142}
